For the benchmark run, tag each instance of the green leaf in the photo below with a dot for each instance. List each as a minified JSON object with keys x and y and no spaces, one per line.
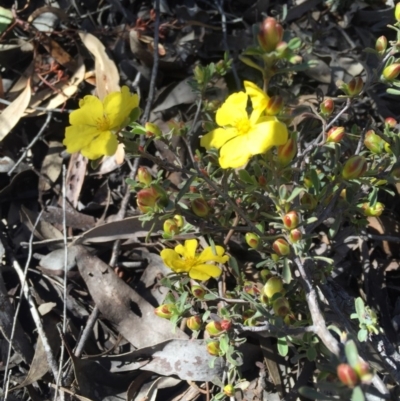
{"x":294,"y":43}
{"x":351,"y":352}
{"x":246,"y":177}
{"x":286,"y":271}
{"x":224,"y":343}
{"x":362,"y":335}
{"x":294,"y":193}
{"x":360,"y":308}
{"x":311,"y":354}
{"x":185,"y":189}
{"x":358,"y":394}
{"x":251,"y":63}
{"x":6,"y":17}
{"x":235,"y":267}
{"x":392,"y":91}
{"x":315,"y":180}
{"x":210,"y":297}
{"x":283,"y":347}
{"x":313,"y":394}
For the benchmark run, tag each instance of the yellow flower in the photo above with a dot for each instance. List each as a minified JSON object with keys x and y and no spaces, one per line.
{"x":93,"y":125}
{"x":184,"y":259}
{"x":240,"y":137}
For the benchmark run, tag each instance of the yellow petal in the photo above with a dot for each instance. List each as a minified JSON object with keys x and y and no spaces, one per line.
{"x":89,"y":113}
{"x":188,"y":250}
{"x":204,"y":272}
{"x":105,"y":143}
{"x":233,"y":109}
{"x":118,"y":106}
{"x":208,"y":255}
{"x":218,"y":137}
{"x":258,"y":97}
{"x":78,"y":137}
{"x":234,"y":153}
{"x":265,"y":135}
{"x":173,"y":261}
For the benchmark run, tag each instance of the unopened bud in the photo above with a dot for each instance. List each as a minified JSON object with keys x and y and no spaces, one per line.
{"x":287,"y":152}
{"x":252,"y":240}
{"x":281,"y":247}
{"x":390,"y":122}
{"x":213,"y":348}
{"x":250,"y":288}
{"x":170,"y":227}
{"x":355,"y":167}
{"x":198,"y":74}
{"x":152,"y":198}
{"x":295,"y":235}
{"x":308,"y":201}
{"x":281,"y":307}
{"x":166,"y":311}
{"x":355,"y":86}
{"x":248,"y":313}
{"x":143,"y":176}
{"x":281,"y":49}
{"x":347,"y":375}
{"x":335,"y":134}
{"x":363,"y":371}
{"x":194,"y":323}
{"x":327,"y":107}
{"x":274,"y":105}
{"x":381,"y":45}
{"x":198,"y":292}
{"x":214,"y":328}
{"x":291,"y":220}
{"x":296,"y":59}
{"x":265,"y":275}
{"x":200,"y":207}
{"x":273,"y":286}
{"x":397,"y":12}
{"x":373,"y":211}
{"x":391,"y":72}
{"x":374,"y":142}
{"x":179,"y":220}
{"x":226,"y":324}
{"x":262,"y":181}
{"x":229,"y":390}
{"x":271,"y":33}
{"x":152,"y":130}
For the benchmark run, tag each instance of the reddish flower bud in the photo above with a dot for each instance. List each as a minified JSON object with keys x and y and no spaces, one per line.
{"x":194,"y":323}
{"x":229,"y":390}
{"x":335,"y":134}
{"x":374,"y":142}
{"x":152,"y":198}
{"x":271,"y":33}
{"x":166,"y":311}
{"x":143,"y":176}
{"x":281,"y":247}
{"x":281,"y":49}
{"x":295,"y":235}
{"x":291,"y":220}
{"x":327,"y":107}
{"x":213,"y":348}
{"x":273,"y":286}
{"x":152,"y":130}
{"x":281,"y":307}
{"x":198,"y":291}
{"x":347,"y":375}
{"x":287,"y":152}
{"x":170,"y":227}
{"x":226,"y":324}
{"x":250,"y":288}
{"x":381,"y":44}
{"x":373,"y":211}
{"x":355,"y":167}
{"x":214,"y":328}
{"x":363,"y":371}
{"x":262,"y":181}
{"x":274,"y":105}
{"x":391,"y":72}
{"x":252,"y":240}
{"x":390,"y":122}
{"x":397,"y":12}
{"x":355,"y":86}
{"x":200,"y":207}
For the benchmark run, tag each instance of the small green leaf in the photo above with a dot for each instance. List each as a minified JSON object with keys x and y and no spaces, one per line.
{"x":283,"y":348}
{"x":351,"y":352}
{"x":358,"y":394}
{"x":246,"y":177}
{"x":295,"y":193}
{"x":311,"y":354}
{"x":235,"y":267}
{"x":360,"y":308}
{"x":362,"y":335}
{"x":6,"y":17}
{"x":294,"y":43}
{"x":392,"y":91}
{"x":286,"y":272}
{"x":251,"y":63}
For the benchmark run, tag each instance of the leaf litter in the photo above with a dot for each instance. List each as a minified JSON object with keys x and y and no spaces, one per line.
{"x":129,"y":352}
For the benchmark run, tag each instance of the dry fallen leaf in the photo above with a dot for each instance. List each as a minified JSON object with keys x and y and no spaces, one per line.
{"x":107,"y":76}
{"x":10,"y":116}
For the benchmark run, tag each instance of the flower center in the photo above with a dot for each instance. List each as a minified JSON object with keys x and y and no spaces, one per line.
{"x":243,"y":126}
{"x":103,"y":123}
{"x":190,"y":262}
